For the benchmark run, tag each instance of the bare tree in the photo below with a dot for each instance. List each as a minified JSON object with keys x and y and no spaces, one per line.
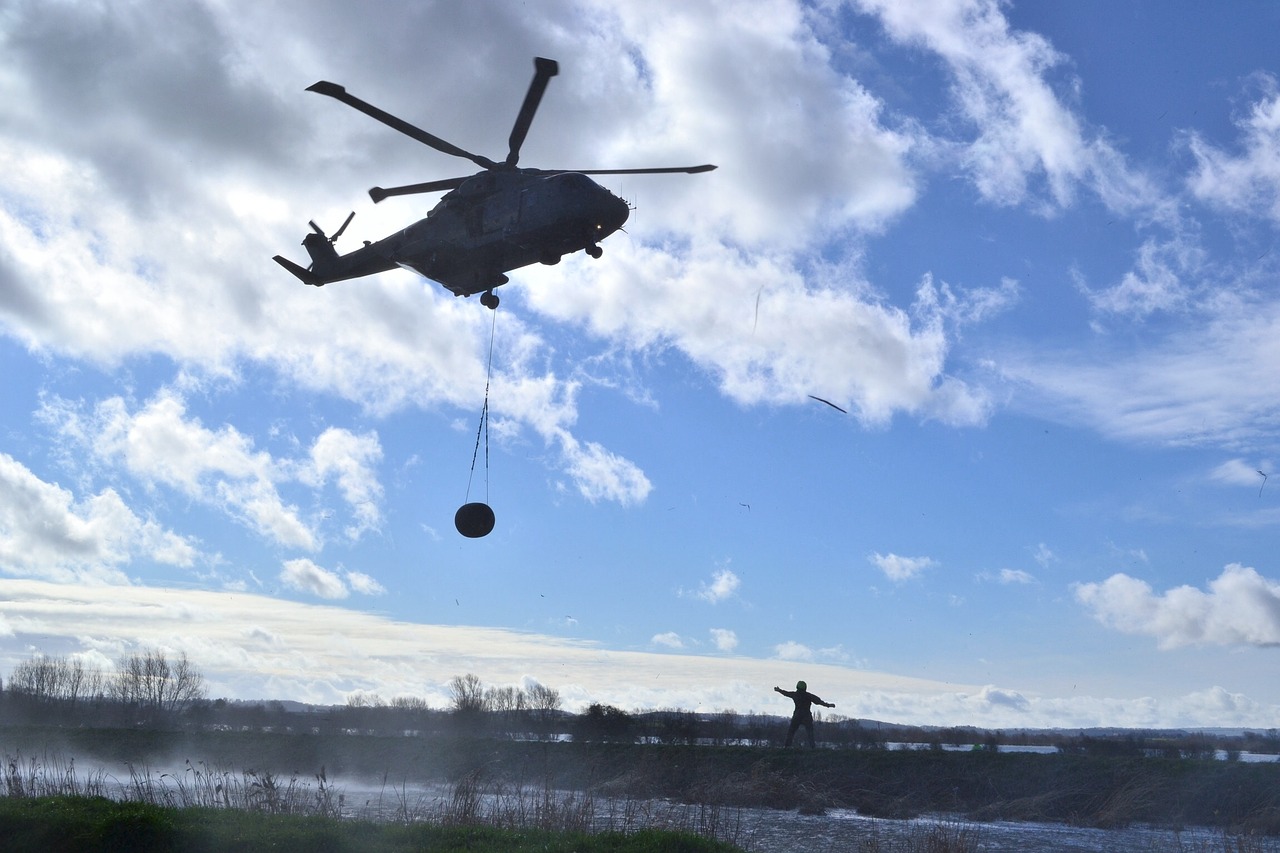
{"x":467,"y":694}
{"x":509,"y":704}
{"x":361,"y":699}
{"x":150,"y":681}
{"x":56,"y":679}
{"x":36,"y":677}
{"x":542,"y":698}
{"x":74,"y":680}
{"x":505,"y":700}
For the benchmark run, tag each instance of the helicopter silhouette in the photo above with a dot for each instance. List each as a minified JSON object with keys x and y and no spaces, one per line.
{"x":487,"y":224}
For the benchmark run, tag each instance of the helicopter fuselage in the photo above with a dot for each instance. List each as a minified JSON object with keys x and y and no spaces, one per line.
{"x":494,"y":222}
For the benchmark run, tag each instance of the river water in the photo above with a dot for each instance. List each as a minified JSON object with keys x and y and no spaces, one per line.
{"x":774,"y":831}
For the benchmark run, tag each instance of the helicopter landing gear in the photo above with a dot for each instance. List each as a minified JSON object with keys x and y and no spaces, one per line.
{"x":594,"y":251}
{"x":550,"y":259}
{"x":489,"y":300}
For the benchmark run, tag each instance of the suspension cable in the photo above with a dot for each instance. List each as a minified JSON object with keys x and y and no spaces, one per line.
{"x":484,"y":420}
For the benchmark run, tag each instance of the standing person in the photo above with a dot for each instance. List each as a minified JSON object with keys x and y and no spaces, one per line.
{"x":803,"y":715}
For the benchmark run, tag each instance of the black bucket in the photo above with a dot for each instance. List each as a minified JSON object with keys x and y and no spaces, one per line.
{"x":474,"y":520}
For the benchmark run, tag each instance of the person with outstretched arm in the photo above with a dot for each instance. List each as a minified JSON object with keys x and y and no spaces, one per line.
{"x":803,"y":715}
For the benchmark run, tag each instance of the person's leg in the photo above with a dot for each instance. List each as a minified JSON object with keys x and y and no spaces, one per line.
{"x":808,"y":727}
{"x":791,"y":731}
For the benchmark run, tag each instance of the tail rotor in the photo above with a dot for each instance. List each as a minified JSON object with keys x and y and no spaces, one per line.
{"x":336,"y":234}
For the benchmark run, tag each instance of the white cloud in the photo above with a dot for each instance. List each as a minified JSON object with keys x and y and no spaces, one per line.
{"x":1198,"y":386}
{"x":161,"y":444}
{"x":364,"y":584}
{"x":1157,"y":281}
{"x":1250,"y":182}
{"x":351,"y":458}
{"x":900,"y":569}
{"x":1238,"y":472}
{"x":792,"y":651}
{"x":1241,"y":607}
{"x":46,"y":532}
{"x":669,"y":639}
{"x":724,"y":583}
{"x":819,"y":164}
{"x":1024,"y":132}
{"x":1008,"y":576}
{"x":724,"y":639}
{"x":768,"y":332}
{"x":1043,"y":555}
{"x":305,"y":576}
{"x":835,"y":653}
{"x":1008,"y":698}
{"x":603,"y":475}
{"x":965,"y":306}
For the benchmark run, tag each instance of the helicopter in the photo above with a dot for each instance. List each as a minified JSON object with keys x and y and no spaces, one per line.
{"x":487,"y":224}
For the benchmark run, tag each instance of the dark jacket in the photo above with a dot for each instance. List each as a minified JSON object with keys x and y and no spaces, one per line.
{"x":804,"y":703}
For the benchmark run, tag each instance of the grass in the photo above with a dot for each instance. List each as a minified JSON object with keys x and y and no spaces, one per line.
{"x":93,"y":824}
{"x":156,"y":810}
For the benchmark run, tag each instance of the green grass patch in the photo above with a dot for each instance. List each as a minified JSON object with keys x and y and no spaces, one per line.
{"x":90,"y":824}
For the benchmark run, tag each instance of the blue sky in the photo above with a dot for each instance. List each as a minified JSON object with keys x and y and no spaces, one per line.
{"x":1026,"y":247}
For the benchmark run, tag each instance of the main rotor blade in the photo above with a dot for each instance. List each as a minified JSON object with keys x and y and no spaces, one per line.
{"x":544,"y":70}
{"x":333,"y":90}
{"x":685,"y":170}
{"x":379,"y":193}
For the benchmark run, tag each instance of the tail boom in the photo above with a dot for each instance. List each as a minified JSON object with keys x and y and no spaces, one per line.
{"x":303,"y":275}
{"x":328,"y":266}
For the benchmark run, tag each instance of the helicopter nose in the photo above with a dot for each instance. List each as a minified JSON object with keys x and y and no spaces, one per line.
{"x":612,"y":215}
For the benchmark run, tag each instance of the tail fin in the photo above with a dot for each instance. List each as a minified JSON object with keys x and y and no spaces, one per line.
{"x":305,"y":276}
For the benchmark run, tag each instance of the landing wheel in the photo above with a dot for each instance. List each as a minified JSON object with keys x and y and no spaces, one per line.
{"x":595,"y":251}
{"x":489,"y":300}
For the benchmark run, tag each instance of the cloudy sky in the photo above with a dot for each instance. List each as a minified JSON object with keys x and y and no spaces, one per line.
{"x":1028,"y":249}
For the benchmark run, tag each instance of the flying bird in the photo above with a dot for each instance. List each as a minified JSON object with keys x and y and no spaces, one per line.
{"x":829,"y":403}
{"x":1264,"y":483}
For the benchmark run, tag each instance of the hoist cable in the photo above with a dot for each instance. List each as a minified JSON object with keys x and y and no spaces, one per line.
{"x":483,"y":429}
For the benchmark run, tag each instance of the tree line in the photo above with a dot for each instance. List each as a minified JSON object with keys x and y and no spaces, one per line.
{"x":151,"y":688}
{"x":146,"y":686}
